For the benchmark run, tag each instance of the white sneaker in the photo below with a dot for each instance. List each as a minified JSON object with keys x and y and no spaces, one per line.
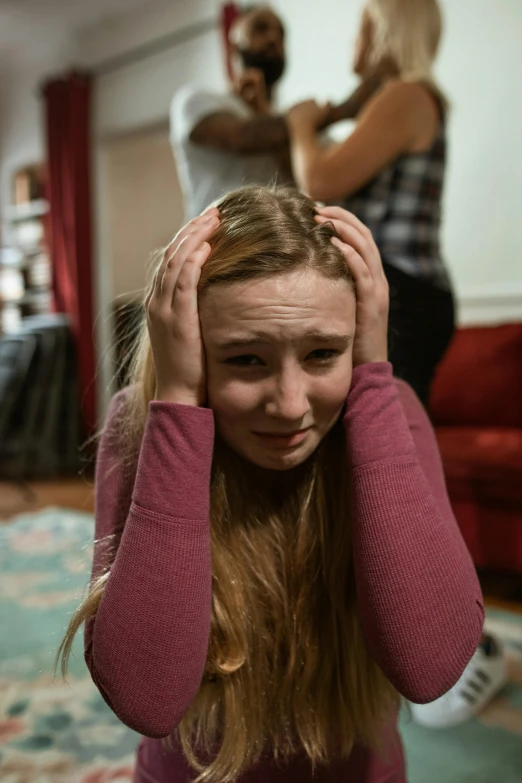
{"x":482,"y":678}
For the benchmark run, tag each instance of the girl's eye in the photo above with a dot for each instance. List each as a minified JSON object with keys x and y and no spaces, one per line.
{"x":248,"y":360}
{"x":323,"y":354}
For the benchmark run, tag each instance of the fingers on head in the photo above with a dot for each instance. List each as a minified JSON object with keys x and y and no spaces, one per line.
{"x":350,"y":235}
{"x":345,"y":217}
{"x":190,"y":272}
{"x":355,"y":263}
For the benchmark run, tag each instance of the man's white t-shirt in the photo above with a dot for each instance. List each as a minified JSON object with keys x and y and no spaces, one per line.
{"x":205,"y":173}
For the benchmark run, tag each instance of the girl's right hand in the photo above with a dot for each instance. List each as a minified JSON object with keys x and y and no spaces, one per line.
{"x":173,"y":317}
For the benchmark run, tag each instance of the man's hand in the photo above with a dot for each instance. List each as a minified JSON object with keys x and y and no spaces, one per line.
{"x":309,"y":114}
{"x":252,"y":89}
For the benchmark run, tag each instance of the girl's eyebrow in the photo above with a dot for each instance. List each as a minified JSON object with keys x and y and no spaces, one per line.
{"x":263,"y":338}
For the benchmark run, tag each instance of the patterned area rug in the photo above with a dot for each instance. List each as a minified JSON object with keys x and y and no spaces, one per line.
{"x":56,"y":733}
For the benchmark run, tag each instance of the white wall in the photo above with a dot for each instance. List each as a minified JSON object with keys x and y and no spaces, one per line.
{"x":144,"y":203}
{"x":134,"y":99}
{"x":479,"y":67}
{"x":140,"y":94}
{"x":45,"y":49}
{"x":21,"y":137}
{"x":137,"y":96}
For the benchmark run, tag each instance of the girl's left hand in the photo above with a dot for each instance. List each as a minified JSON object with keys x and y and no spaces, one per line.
{"x":364,"y":262}
{"x":308,"y":113}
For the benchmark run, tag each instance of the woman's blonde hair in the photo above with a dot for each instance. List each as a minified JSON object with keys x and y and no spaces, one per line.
{"x":288,"y":669}
{"x":409,"y":32}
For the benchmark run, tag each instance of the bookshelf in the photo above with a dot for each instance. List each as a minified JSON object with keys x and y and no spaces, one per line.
{"x":25,"y":269}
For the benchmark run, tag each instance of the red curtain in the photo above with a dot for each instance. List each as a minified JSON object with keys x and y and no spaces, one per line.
{"x":67,"y":117}
{"x":230,"y":12}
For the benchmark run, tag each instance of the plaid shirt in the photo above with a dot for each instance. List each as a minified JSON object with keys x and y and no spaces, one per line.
{"x":402,"y":208}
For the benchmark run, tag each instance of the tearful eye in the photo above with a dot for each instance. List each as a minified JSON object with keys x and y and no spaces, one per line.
{"x":323,"y":354}
{"x":247,"y":360}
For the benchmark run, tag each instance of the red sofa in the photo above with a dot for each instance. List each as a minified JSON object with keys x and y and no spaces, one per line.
{"x":476,"y":407}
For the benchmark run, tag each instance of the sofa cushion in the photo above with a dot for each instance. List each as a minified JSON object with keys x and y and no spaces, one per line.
{"x":482,"y":463}
{"x":492,"y":532}
{"x":479,"y":381}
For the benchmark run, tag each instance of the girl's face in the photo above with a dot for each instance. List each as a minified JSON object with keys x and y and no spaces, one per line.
{"x":363,"y":46}
{"x":279,"y":363}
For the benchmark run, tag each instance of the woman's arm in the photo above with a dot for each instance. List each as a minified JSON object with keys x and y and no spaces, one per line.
{"x":388,"y":126}
{"x":419,"y":596}
{"x":146,"y":647}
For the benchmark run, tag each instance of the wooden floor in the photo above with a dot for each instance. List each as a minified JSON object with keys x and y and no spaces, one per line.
{"x":500,"y":588}
{"x":66,"y":493}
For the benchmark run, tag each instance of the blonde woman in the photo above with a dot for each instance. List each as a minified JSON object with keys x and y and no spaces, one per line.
{"x":390,"y":173}
{"x":276,"y":560}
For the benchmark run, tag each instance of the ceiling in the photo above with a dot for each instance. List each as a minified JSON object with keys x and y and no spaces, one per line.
{"x":33,"y":31}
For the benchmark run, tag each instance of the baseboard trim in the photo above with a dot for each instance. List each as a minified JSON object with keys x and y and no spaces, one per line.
{"x":492,"y":305}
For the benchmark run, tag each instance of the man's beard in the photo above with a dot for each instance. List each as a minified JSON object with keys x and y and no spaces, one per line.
{"x":272,"y":67}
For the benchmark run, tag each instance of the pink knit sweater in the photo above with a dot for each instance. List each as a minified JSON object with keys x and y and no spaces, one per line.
{"x":420,"y":600}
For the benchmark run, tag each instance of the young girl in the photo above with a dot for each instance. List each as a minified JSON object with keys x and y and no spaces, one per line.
{"x":276,"y":560}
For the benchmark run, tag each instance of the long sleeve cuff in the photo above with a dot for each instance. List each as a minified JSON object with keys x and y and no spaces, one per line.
{"x":176,"y":460}
{"x":374,"y":420}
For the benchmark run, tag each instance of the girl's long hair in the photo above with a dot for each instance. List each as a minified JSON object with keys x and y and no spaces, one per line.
{"x":408,"y":31}
{"x":288,"y":670}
